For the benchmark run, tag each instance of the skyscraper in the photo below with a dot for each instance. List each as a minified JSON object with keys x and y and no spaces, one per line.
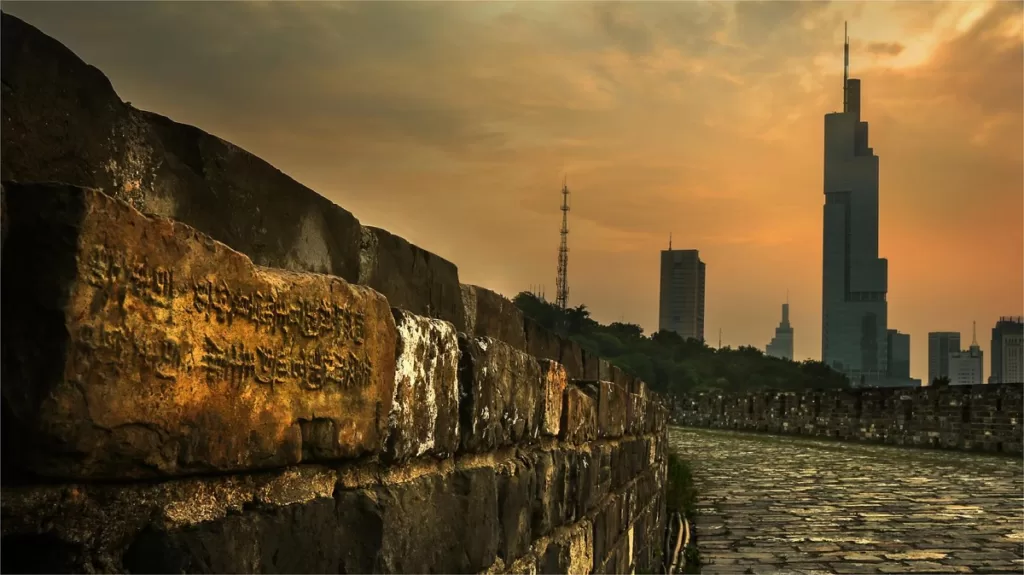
{"x":899,"y":355}
{"x":966,"y":367}
{"x":940,"y":345}
{"x":854,"y":278}
{"x":681,"y":308}
{"x":1007,"y":350}
{"x":782,"y":344}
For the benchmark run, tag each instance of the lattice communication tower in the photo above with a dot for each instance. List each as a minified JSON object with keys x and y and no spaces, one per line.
{"x":561,"y":282}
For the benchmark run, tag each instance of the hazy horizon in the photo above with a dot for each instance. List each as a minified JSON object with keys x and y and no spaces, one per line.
{"x":452,"y":125}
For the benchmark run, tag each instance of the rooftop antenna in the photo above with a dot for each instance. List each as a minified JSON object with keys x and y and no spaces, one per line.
{"x":846,"y":63}
{"x":974,"y":329}
{"x":561,"y":281}
{"x":670,"y":241}
{"x":719,"y":338}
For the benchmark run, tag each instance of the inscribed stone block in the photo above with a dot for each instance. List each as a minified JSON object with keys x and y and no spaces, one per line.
{"x":145,"y":348}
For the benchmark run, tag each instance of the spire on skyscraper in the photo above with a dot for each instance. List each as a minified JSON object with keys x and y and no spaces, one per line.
{"x":846,"y":64}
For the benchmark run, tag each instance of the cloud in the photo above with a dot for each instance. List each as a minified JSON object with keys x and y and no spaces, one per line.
{"x":884,"y":48}
{"x":452,"y":124}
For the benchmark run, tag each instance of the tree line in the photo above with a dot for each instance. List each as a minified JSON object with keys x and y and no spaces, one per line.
{"x":670,"y":364}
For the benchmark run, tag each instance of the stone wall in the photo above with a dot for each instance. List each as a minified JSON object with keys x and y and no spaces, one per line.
{"x":206,"y":367}
{"x":979,"y":417}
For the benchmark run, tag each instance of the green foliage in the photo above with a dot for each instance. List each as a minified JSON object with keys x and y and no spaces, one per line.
{"x":671,"y":365}
{"x":680,"y":494}
{"x":691,"y":556}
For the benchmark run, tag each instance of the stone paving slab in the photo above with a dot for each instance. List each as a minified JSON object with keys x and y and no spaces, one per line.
{"x":769,"y":504}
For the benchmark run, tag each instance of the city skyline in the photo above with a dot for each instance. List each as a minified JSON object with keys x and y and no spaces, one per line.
{"x":700,"y":119}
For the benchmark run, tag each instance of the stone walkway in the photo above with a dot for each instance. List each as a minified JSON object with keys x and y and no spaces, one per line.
{"x":771,"y":504}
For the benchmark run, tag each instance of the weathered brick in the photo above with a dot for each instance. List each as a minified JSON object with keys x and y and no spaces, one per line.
{"x":410,"y":277}
{"x":611,"y":410}
{"x":517,"y":486}
{"x":579,"y":416}
{"x":424,"y":415}
{"x":541,"y":342}
{"x":146,"y":348}
{"x":552,"y":397}
{"x":571,"y":356}
{"x":591,"y":366}
{"x":500,"y":389}
{"x":570,"y":551}
{"x":489,"y":314}
{"x":636,"y":413}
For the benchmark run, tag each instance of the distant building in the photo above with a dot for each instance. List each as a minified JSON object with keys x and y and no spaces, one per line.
{"x":967,"y":367}
{"x":782,"y":344}
{"x":940,"y":345}
{"x":1007,"y":350}
{"x":681,"y":308}
{"x":898,"y":354}
{"x":854,"y":277}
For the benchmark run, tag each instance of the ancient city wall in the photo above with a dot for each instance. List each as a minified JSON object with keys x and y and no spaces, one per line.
{"x":979,"y":417}
{"x":207,"y":367}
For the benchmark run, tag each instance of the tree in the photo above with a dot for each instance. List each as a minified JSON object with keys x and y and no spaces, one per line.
{"x":941,"y":381}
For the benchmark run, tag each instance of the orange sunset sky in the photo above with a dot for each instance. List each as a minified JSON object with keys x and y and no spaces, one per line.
{"x":452,"y":124}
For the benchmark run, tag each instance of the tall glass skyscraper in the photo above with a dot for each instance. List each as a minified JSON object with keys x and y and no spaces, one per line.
{"x":854,"y":278}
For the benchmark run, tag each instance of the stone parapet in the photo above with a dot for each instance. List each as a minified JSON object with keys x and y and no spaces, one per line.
{"x":979,"y":417}
{"x":207,"y":367}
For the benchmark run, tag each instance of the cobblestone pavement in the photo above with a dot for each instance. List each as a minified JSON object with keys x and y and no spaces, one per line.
{"x":771,"y":504}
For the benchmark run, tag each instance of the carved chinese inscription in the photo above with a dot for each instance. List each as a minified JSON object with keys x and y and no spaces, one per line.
{"x":107,"y":267}
{"x":100,"y":344}
{"x":276,"y":313}
{"x":310,"y":369}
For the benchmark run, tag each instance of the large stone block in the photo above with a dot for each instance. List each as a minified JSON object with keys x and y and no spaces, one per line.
{"x":303,"y":538}
{"x":450,"y":523}
{"x":555,"y":381}
{"x":571,"y":551}
{"x":591,"y":365}
{"x":500,"y":389}
{"x":489,"y":314}
{"x":136,"y":346}
{"x":411,"y":277}
{"x":63,"y":122}
{"x":517,"y":489}
{"x":282,"y":521}
{"x":571,"y":356}
{"x":579,"y":417}
{"x":553,"y":503}
{"x":424,"y":415}
{"x":611,"y":410}
{"x":636,"y":412}
{"x":541,"y":342}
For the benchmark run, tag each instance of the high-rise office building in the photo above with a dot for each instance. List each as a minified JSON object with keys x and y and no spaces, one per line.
{"x":1007,"y":350}
{"x":940,"y":345}
{"x":967,"y":367}
{"x":898,"y":354}
{"x":854,"y":279}
{"x":782,"y":344}
{"x":681,"y":307}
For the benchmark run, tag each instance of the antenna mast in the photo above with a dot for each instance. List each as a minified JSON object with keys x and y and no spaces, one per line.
{"x":561,"y":281}
{"x":846,"y":63}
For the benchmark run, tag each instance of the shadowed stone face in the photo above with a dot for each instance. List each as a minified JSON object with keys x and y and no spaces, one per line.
{"x":424,"y":415}
{"x":500,"y":389}
{"x":150,"y":349}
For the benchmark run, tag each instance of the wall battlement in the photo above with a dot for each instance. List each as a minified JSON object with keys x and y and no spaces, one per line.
{"x":207,"y":367}
{"x":979,"y":417}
